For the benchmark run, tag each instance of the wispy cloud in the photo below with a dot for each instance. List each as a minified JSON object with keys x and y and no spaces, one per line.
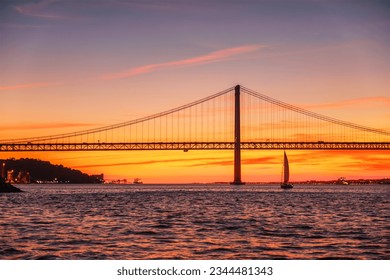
{"x":197,"y":162}
{"x":247,"y":161}
{"x":214,"y":163}
{"x":216,"y":56}
{"x":147,"y":162}
{"x":351,"y":102}
{"x":25,"y":86}
{"x":21,"y":26}
{"x":340,"y":159}
{"x":50,"y":125}
{"x":38,"y":9}
{"x":378,"y":165}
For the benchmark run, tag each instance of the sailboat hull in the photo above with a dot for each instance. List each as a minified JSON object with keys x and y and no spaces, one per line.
{"x":286,"y":186}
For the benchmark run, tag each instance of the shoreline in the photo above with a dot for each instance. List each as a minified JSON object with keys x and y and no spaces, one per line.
{"x":8,"y":188}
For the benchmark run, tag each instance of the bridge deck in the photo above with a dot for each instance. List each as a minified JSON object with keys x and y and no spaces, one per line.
{"x":186,"y":146}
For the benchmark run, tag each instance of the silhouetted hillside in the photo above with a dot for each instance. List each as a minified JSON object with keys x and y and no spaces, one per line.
{"x":44,"y":171}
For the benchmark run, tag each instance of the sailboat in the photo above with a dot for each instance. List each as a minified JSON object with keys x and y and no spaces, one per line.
{"x":285,"y":174}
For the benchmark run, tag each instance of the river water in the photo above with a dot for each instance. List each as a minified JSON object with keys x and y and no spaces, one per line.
{"x":195,"y":222}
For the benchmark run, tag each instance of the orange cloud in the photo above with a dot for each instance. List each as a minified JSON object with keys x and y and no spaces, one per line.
{"x":216,"y":56}
{"x":351,"y":102}
{"x":245,"y":161}
{"x":24,"y":86}
{"x":349,"y":159}
{"x":143,"y":162}
{"x":42,"y":125}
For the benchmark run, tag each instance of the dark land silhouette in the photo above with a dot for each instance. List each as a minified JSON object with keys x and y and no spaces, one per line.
{"x":7,"y":188}
{"x":43,"y":171}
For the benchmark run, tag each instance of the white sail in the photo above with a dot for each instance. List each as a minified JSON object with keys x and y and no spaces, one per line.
{"x":286,"y":169}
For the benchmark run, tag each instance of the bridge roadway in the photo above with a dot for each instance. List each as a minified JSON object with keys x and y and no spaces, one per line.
{"x":186,"y":146}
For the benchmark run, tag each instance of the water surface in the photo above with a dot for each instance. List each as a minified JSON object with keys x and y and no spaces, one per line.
{"x":195,"y":222}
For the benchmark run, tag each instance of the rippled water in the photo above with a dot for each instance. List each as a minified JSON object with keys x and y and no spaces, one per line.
{"x":195,"y":222}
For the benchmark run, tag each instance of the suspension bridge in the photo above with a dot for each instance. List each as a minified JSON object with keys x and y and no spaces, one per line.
{"x":233,"y":119}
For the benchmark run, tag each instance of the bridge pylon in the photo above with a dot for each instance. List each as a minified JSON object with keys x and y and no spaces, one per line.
{"x":237,"y":138}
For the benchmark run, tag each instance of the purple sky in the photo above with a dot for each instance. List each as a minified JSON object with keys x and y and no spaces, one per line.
{"x":63,"y":63}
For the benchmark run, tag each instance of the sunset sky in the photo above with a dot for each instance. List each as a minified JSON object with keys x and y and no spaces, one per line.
{"x":72,"y":65}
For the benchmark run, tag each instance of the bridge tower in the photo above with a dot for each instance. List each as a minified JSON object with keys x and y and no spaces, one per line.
{"x":237,"y":138}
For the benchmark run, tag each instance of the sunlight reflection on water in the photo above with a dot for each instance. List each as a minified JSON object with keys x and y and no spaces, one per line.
{"x":195,"y":222}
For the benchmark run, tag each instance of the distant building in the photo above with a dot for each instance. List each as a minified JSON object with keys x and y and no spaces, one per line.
{"x":10,"y":176}
{"x":99,"y":179}
{"x":3,"y":170}
{"x":342,"y":181}
{"x":23,"y":178}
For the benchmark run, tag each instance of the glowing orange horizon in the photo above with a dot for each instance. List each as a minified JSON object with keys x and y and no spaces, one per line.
{"x":217,"y":166}
{"x":210,"y":166}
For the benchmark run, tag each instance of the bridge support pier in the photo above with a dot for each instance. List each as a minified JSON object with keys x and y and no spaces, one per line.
{"x":237,"y":138}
